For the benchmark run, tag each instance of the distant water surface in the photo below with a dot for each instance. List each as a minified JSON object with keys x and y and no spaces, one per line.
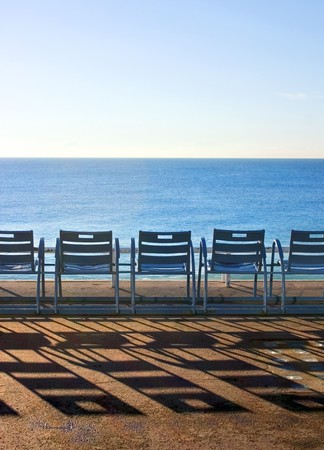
{"x":126,"y":195}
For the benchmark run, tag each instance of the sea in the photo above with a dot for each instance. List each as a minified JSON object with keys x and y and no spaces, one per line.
{"x":128,"y":195}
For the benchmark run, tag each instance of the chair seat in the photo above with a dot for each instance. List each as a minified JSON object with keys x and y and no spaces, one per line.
{"x":11,"y":268}
{"x":86,"y":269}
{"x":232,"y":268}
{"x":163,"y":268}
{"x":303,"y":269}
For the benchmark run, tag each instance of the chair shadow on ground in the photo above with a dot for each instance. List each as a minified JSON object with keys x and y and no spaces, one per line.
{"x":154,"y":363}
{"x":10,"y":292}
{"x":6,"y":410}
{"x":187,"y":396}
{"x":49,"y":377}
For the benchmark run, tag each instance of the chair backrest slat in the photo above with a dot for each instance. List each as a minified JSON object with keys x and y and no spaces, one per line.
{"x":308,"y":260}
{"x":84,"y":249}
{"x":164,"y":248}
{"x":306,"y":236}
{"x":85,"y":260}
{"x":239,"y":235}
{"x":164,"y":237}
{"x":307,"y":248}
{"x":16,"y":236}
{"x":16,"y":259}
{"x":86,"y":236}
{"x":237,"y":247}
{"x":163,"y":260}
{"x":223,"y":258}
{"x":20,"y":247}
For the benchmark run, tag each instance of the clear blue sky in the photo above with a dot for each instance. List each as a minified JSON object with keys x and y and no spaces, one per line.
{"x":162,"y":78}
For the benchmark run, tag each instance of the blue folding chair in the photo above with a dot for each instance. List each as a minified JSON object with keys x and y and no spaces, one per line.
{"x":86,"y":253}
{"x":17,"y":258}
{"x":234,"y":252}
{"x":163,"y":254}
{"x":305,"y":257}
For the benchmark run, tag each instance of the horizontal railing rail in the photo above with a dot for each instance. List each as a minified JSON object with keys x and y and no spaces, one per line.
{"x":196,"y":249}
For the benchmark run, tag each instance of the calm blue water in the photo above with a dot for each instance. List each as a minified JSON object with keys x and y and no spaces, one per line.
{"x":126,"y":195}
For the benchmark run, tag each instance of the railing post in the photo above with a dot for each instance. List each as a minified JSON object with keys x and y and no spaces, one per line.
{"x":113,"y":278}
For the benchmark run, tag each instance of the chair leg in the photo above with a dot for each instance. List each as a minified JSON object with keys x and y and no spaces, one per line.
{"x":60,"y":286}
{"x":133,"y":292}
{"x":198,"y":281}
{"x":43,"y":285}
{"x":194,"y":295}
{"x":55,"y":294}
{"x":43,"y":279}
{"x":271,"y":282}
{"x":205,"y":290}
{"x":117,"y":293}
{"x":265,"y":293}
{"x":283,"y":292}
{"x":188,"y":285}
{"x":38,"y":295}
{"x":255,"y":285}
{"x":57,"y":291}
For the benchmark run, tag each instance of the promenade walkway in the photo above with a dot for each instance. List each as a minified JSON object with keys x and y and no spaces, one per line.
{"x":162,"y":382}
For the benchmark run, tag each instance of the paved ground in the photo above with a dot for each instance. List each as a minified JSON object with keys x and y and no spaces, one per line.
{"x":24,"y":291}
{"x":162,"y":382}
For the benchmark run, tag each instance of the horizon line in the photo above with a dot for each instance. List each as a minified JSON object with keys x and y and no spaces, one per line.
{"x":163,"y":157}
